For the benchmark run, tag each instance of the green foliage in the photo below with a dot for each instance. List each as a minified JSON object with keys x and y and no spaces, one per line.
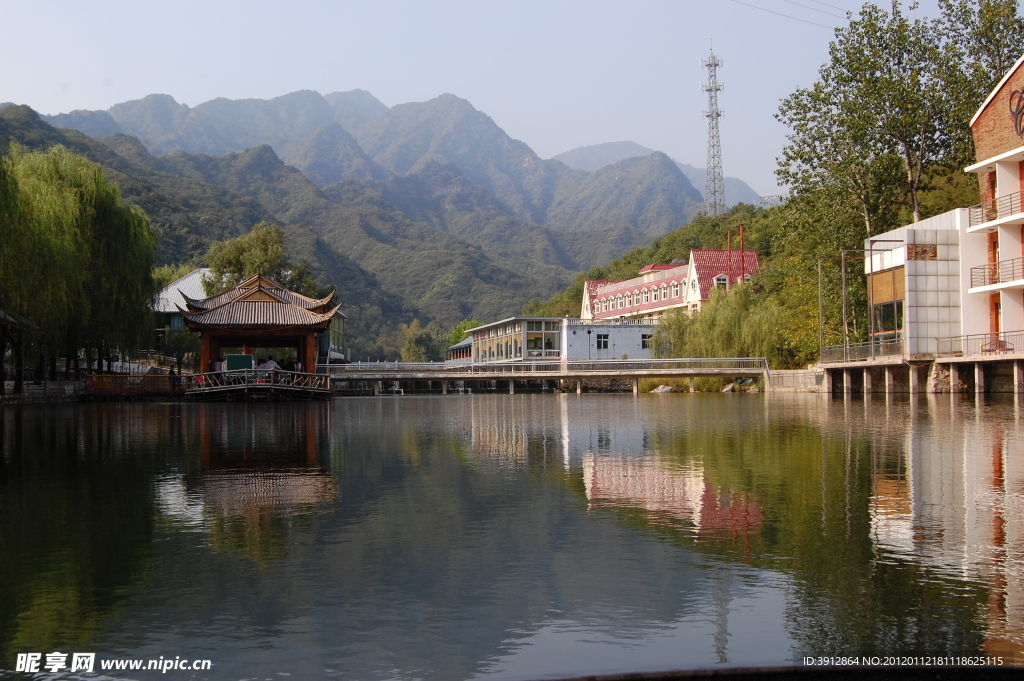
{"x":166,"y":275}
{"x":422,"y":344}
{"x":737,"y":323}
{"x":260,"y":251}
{"x":181,"y":343}
{"x":82,"y":270}
{"x":458,"y":332}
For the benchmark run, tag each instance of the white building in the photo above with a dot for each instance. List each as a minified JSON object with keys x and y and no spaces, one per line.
{"x":518,"y":339}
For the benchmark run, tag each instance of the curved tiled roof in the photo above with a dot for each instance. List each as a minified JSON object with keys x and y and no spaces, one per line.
{"x":259,"y":313}
{"x":263,"y":283}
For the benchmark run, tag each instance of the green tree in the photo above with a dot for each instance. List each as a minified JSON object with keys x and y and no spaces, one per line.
{"x":262,"y":250}
{"x":458,"y":332}
{"x":421,"y":344}
{"x":83,"y":268}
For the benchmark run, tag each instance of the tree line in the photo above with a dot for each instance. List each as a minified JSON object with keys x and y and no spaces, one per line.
{"x":76,"y":261}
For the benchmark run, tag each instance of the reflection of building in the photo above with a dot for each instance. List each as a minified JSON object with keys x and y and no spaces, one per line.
{"x":254,"y":460}
{"x":519,"y":339}
{"x":952,"y":497}
{"x":660,"y":288}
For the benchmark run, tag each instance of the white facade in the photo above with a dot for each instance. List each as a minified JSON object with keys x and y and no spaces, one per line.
{"x":537,"y":339}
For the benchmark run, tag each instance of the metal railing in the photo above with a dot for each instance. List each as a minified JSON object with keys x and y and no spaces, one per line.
{"x":981,"y":344}
{"x":997,"y":272}
{"x":611,"y":367}
{"x":861,"y":352}
{"x":995,"y":209}
{"x":257,"y":379}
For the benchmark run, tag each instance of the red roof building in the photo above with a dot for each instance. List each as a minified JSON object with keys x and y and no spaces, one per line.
{"x":663,"y":287}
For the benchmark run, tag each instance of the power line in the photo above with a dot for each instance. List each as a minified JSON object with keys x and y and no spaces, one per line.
{"x":815,"y":9}
{"x":770,"y":11}
{"x":819,"y":2}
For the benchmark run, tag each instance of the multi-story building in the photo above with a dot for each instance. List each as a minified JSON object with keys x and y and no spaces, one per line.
{"x":948,"y":291}
{"x":661,"y":288}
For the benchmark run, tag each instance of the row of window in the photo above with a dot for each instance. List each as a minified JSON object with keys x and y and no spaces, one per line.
{"x":640,"y":297}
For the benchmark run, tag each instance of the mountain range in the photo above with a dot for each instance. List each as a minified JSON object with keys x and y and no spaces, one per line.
{"x":597,"y":156}
{"x":424,"y":209}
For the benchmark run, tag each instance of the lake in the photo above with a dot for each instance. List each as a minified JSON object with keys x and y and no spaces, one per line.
{"x":512,"y":536}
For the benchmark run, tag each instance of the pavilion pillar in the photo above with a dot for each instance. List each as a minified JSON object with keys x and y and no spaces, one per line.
{"x":308,"y":353}
{"x":205,"y":352}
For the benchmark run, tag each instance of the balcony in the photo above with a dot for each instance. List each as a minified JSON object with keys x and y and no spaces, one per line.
{"x":1003,"y":210}
{"x":982,"y":345}
{"x":994,"y":273}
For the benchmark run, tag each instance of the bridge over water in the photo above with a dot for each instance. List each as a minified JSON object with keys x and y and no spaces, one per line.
{"x":573,"y":371}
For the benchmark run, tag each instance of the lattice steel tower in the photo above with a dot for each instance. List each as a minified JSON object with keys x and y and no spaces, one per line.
{"x":714,"y":188}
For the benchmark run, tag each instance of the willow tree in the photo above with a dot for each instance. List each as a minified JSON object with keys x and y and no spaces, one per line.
{"x":83,"y":265}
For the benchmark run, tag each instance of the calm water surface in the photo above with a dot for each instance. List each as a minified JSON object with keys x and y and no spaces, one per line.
{"x":512,"y":537}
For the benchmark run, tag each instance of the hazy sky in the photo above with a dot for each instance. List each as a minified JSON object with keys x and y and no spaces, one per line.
{"x":556,"y":74}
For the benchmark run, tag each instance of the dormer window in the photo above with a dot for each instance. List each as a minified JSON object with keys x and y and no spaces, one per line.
{"x":721,"y":281}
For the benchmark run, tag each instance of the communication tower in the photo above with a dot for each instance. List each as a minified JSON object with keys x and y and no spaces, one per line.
{"x":714,"y":188}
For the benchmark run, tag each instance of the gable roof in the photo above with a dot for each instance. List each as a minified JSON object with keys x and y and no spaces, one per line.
{"x":258,"y":282}
{"x":707,"y":264}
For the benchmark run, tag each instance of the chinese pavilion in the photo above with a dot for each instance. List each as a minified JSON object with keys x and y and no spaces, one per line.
{"x":259,"y":312}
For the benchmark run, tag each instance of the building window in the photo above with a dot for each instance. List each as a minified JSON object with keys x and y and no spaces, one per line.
{"x":602,"y":341}
{"x":675,"y":289}
{"x":693,"y":284}
{"x":647,"y":296}
{"x":654,"y":295}
{"x":629,"y":300}
{"x":611,"y":304}
{"x":621,"y":300}
{"x":645,"y":340}
{"x":721,"y":280}
{"x":664,"y":292}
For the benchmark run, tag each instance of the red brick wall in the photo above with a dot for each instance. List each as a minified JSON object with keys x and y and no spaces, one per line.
{"x":993,"y":312}
{"x":994,"y":131}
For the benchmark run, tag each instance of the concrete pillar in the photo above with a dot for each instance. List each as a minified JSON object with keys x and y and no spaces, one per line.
{"x":867,"y":380}
{"x":693,"y":387}
{"x":378,"y":387}
{"x":954,"y":377}
{"x":579,"y":387}
{"x":1018,"y":376}
{"x":511,"y":386}
{"x":979,"y":378}
{"x":830,"y":382}
{"x":636,"y":386}
{"x":890,"y":379}
{"x":444,"y":387}
{"x":847,"y":380}
{"x":915,"y":380}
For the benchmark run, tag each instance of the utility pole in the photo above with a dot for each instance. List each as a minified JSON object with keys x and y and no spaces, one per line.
{"x":714,"y":187}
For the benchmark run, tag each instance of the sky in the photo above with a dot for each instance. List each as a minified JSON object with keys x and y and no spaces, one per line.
{"x":556,"y":74}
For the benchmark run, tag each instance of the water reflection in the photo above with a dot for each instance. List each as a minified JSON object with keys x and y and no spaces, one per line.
{"x":513,"y":536}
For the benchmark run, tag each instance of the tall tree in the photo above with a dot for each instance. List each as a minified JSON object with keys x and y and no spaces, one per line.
{"x":262,"y":250}
{"x":981,"y":43}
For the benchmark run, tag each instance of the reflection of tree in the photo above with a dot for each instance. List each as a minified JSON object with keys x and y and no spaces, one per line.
{"x":77,"y":523}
